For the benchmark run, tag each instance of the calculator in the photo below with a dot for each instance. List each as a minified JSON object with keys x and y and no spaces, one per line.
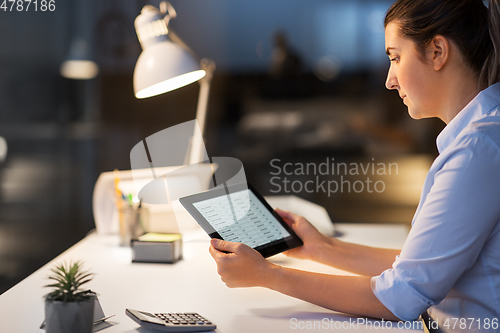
{"x":171,"y":322}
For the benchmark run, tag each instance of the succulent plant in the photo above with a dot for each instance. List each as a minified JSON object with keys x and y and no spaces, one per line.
{"x":68,"y":281}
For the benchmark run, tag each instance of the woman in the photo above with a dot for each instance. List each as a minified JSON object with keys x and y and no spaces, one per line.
{"x":444,"y":63}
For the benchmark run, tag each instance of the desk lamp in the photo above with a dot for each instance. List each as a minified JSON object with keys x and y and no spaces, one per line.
{"x":166,"y":63}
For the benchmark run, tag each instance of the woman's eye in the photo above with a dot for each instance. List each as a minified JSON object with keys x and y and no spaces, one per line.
{"x":394,"y":59}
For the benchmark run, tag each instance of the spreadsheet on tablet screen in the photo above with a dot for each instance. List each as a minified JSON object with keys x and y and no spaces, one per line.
{"x":241,"y":217}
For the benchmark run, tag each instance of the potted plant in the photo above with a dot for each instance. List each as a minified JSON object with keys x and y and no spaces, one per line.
{"x":68,"y":308}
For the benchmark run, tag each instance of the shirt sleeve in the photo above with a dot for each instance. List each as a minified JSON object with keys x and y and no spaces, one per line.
{"x":449,"y":229}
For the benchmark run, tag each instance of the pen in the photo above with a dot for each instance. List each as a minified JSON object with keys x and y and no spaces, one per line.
{"x":118,"y":204}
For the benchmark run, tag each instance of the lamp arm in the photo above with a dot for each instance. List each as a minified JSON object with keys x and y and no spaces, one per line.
{"x":166,"y":7}
{"x":197,"y":146}
{"x":168,"y":10}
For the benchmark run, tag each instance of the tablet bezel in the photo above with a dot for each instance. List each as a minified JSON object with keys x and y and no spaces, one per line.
{"x":265,"y":250}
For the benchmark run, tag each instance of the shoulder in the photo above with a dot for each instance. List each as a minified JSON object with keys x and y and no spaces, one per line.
{"x":483,"y":132}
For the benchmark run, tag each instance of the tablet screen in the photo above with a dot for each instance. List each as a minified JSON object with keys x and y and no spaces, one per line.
{"x":237,"y":213}
{"x":242,"y":219}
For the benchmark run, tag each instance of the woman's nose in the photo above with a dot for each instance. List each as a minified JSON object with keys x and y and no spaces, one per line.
{"x":392,"y":81}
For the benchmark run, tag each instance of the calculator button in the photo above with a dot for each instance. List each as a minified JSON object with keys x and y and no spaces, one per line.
{"x":186,"y":322}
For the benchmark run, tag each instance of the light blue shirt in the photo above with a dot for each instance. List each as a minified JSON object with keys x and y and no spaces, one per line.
{"x":450,"y":262}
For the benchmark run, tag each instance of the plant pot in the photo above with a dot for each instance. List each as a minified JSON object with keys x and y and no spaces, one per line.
{"x":74,"y":317}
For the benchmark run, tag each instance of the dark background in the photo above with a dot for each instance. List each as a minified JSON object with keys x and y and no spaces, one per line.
{"x":328,"y":101}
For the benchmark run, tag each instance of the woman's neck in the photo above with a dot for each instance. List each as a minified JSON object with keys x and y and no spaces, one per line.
{"x":462,"y":88}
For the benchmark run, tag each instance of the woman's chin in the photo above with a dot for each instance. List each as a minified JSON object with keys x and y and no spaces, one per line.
{"x":415,"y":114}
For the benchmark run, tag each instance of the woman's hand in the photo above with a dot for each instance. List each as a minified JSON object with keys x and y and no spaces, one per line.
{"x":239,"y":265}
{"x":310,"y":236}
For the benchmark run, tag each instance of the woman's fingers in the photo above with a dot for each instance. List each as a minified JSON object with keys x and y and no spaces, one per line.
{"x":288,"y":217}
{"x":238,"y":264}
{"x":285,"y":215}
{"x":306,"y":231}
{"x":224,"y":246}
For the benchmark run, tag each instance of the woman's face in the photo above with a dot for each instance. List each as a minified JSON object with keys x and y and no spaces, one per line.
{"x":410,"y":75}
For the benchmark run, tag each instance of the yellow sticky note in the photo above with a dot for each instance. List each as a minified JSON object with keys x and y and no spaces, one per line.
{"x":155,"y":237}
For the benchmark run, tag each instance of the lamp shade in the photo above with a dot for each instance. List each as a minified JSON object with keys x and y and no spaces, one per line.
{"x":163,"y":65}
{"x":78,"y":64}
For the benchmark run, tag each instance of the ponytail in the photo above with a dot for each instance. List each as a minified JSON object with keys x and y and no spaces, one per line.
{"x":490,"y":73}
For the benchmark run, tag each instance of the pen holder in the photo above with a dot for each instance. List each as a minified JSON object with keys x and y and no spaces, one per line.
{"x":133,"y":223}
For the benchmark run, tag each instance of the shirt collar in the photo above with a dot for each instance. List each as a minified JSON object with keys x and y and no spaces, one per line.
{"x":478,"y":108}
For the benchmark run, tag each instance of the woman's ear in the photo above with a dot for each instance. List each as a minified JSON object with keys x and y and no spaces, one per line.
{"x":438,"y":52}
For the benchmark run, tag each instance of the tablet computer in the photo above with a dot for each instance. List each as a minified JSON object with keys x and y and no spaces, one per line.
{"x":237,"y":213}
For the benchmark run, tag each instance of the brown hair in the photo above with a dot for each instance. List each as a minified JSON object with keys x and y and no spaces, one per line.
{"x":474,"y":29}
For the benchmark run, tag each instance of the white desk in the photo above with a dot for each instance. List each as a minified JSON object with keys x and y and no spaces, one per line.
{"x":190,"y":285}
